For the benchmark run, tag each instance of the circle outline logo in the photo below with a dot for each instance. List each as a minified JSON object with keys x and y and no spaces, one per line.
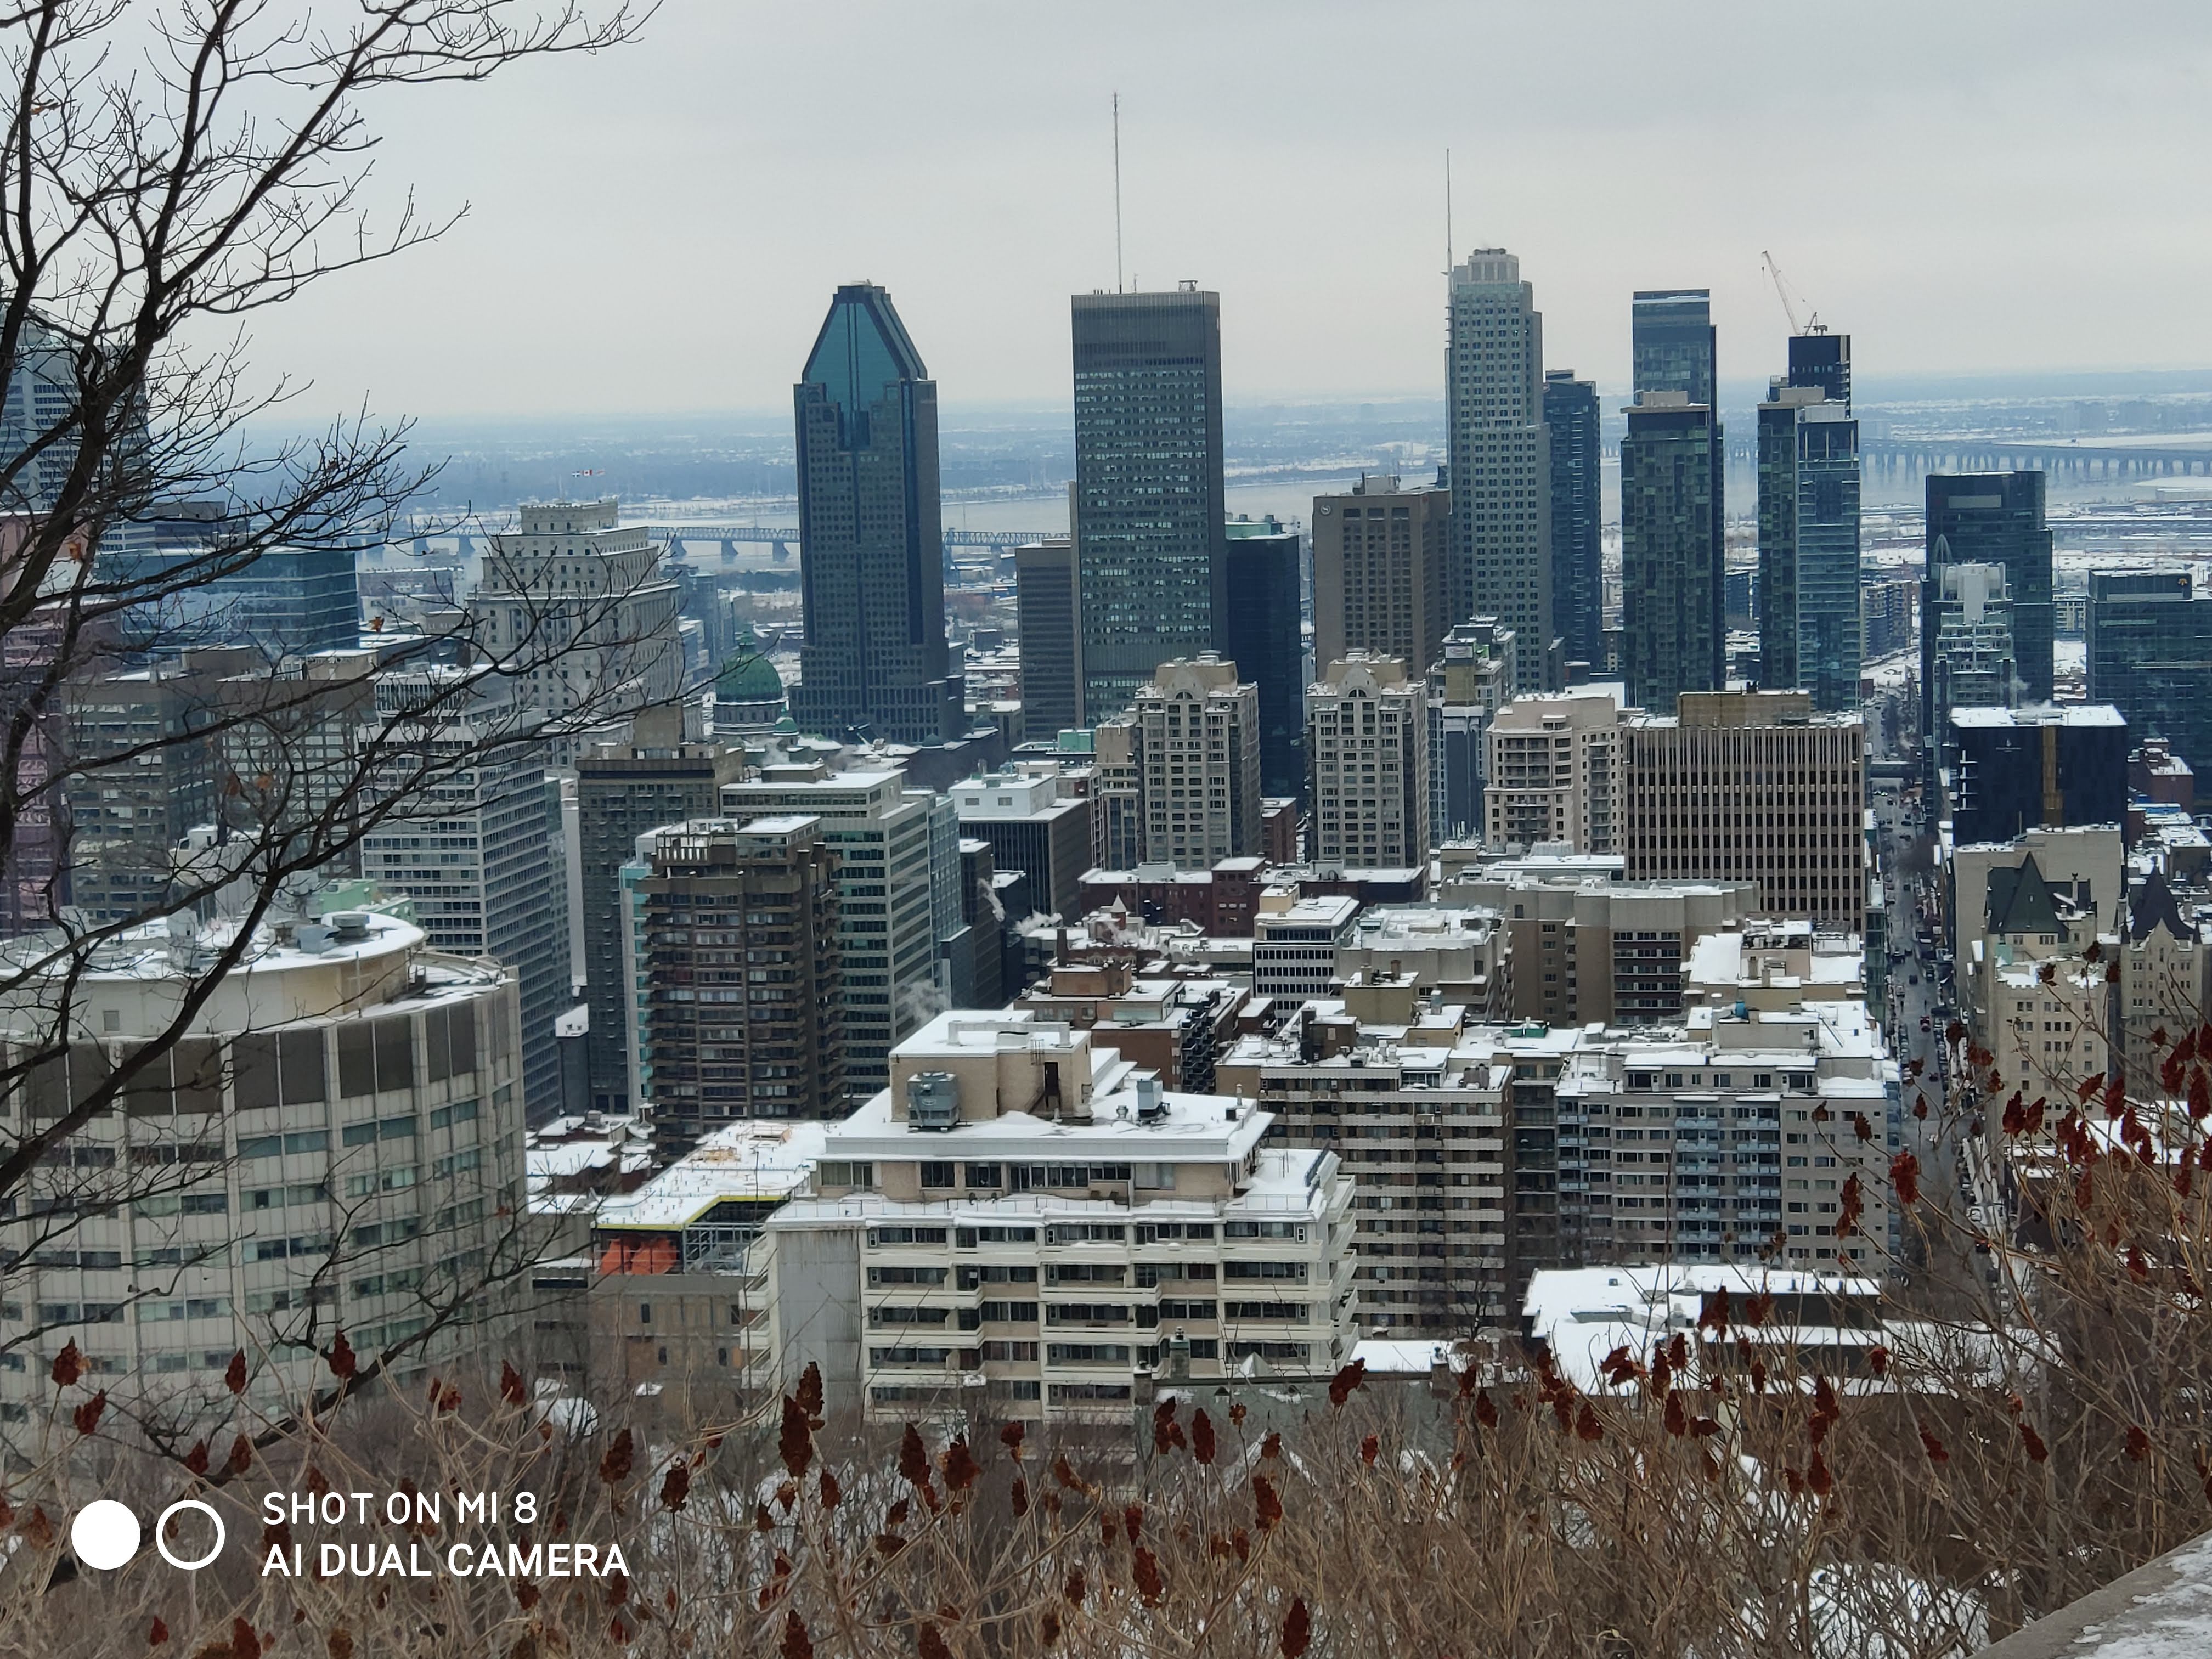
{"x":161,"y":1527}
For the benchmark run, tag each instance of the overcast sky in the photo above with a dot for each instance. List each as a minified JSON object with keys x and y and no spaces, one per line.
{"x":1967,"y":188}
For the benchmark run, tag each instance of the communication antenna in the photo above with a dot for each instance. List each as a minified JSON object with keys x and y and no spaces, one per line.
{"x":1447,"y":224}
{"x":1117,"y":192}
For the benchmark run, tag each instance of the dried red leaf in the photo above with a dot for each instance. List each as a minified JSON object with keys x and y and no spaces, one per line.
{"x":1296,"y":1632}
{"x":797,"y":1644}
{"x":1878,"y":1360}
{"x":1935,"y":1449}
{"x":1144,"y":1569}
{"x":794,"y":1441}
{"x":1201,"y":1436}
{"x":1371,"y":1449}
{"x":87,"y":1417}
{"x":68,"y":1365}
{"x":810,"y":1390}
{"x":1267,"y":1507}
{"x":615,"y":1466}
{"x":2138,"y":1443}
{"x":1009,"y":1436}
{"x":1677,"y":1419}
{"x":2032,"y":1443}
{"x":1017,"y":1495}
{"x":343,"y":1363}
{"x":1048,"y":1626}
{"x":1167,"y":1433}
{"x":961,"y":1468}
{"x":1817,"y":1478}
{"x":832,"y":1493}
{"x":241,"y":1455}
{"x":196,"y":1460}
{"x":1073,"y":1589}
{"x":234,"y":1375}
{"x":1341,"y":1385}
{"x":1133,"y":1520}
{"x":1485,"y":1409}
{"x":676,"y":1486}
{"x":1272,"y":1447}
{"x":1587,"y":1427}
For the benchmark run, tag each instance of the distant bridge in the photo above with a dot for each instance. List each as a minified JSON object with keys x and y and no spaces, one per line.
{"x":2146,"y":460}
{"x":787,"y":537}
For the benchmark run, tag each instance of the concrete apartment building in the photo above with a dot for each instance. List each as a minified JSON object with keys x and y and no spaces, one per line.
{"x":2166,"y":979}
{"x":1380,"y":583}
{"x":1025,"y":1219}
{"x":1193,"y":741}
{"x":1367,"y":747}
{"x":623,"y":789}
{"x":1467,"y":686}
{"x":2030,"y":992}
{"x":1587,"y":948}
{"x":881,"y":832}
{"x":1751,"y":786}
{"x":1554,"y":772}
{"x":1296,"y":942}
{"x":1175,"y":1025}
{"x":1033,"y":824}
{"x":1456,"y":954}
{"x":736,"y":1005}
{"x":353,"y":1103}
{"x":585,"y":603}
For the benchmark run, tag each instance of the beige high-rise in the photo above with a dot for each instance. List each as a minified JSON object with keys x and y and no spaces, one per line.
{"x":1193,"y":736}
{"x":1379,"y":571}
{"x":1367,"y":749}
{"x":1554,"y":772}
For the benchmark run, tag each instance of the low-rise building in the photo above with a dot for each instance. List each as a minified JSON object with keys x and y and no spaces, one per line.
{"x":1025,"y":1219}
{"x":1458,"y":952}
{"x":1295,"y":942}
{"x":1174,"y":1025}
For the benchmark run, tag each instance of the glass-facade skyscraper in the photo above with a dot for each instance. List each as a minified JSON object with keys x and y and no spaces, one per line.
{"x":872,"y":579}
{"x":1570,"y":414}
{"x":2150,"y":656}
{"x":1500,"y":557}
{"x":1260,"y":633}
{"x":1989,"y":518}
{"x":1673,"y":586}
{"x":1810,"y":627}
{"x":1675,"y":345}
{"x":1148,"y":513}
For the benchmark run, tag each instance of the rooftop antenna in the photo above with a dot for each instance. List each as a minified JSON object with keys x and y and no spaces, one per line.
{"x":1447,"y":224}
{"x":1117,"y":192}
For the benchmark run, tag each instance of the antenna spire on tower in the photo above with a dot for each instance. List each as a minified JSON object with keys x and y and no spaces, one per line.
{"x":1448,"y":216}
{"x":1117,"y":192}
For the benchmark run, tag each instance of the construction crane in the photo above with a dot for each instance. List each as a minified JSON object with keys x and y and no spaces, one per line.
{"x":1791,"y":300}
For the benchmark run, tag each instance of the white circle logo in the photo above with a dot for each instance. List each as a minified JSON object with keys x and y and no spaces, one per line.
{"x":161,"y":1527}
{"x":105,"y":1534}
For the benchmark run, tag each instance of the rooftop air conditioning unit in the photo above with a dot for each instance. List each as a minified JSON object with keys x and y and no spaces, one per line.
{"x":933,"y":1101}
{"x":1151,"y":1100}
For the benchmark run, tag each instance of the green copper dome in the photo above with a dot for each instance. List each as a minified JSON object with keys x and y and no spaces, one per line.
{"x":747,"y":676}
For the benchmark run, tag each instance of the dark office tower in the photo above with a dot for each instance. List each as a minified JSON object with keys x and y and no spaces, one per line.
{"x":2150,"y":655}
{"x":1577,"y":514}
{"x":1989,"y":518}
{"x":1674,"y":344}
{"x":1148,"y":505}
{"x":1809,"y":627}
{"x":1501,"y":486}
{"x":1260,"y":635}
{"x":1673,"y":586}
{"x":623,"y":790}
{"x":2051,"y":766}
{"x":872,"y":575}
{"x":1824,"y":360}
{"x":1049,"y":606}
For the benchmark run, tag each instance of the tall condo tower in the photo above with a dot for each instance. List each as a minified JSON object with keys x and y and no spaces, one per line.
{"x":1808,"y":526}
{"x":1148,"y":511}
{"x":1673,"y":585}
{"x":874,"y":573}
{"x":1577,"y":515}
{"x":1500,"y":561}
{"x":1988,"y":518}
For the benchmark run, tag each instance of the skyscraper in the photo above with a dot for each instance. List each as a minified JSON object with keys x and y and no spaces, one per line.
{"x":874,"y":574}
{"x":1260,"y":635}
{"x":1149,"y":516}
{"x":623,"y":790}
{"x":1501,"y":524}
{"x":1808,"y":544}
{"x":1989,"y":518}
{"x":1673,"y":585}
{"x":1974,"y":663}
{"x":1048,"y":600}
{"x":1364,"y":720}
{"x":2150,"y":654}
{"x":708,"y":1044}
{"x":1674,"y":342}
{"x":1379,"y":571}
{"x":1577,"y":515}
{"x":1824,"y":360}
{"x":1675,"y":351}
{"x":1191,"y":739}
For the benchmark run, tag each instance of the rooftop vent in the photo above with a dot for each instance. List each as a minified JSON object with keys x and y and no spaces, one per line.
{"x":932,"y":1100}
{"x":1151,"y":1100}
{"x":347,"y":924}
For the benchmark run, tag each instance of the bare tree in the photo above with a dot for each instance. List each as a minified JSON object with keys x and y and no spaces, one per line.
{"x":171,"y":783}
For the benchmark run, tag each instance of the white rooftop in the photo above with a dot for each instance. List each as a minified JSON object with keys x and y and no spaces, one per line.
{"x":759,"y":1159}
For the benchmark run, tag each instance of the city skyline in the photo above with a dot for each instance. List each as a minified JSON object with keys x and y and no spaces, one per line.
{"x":984,"y":240}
